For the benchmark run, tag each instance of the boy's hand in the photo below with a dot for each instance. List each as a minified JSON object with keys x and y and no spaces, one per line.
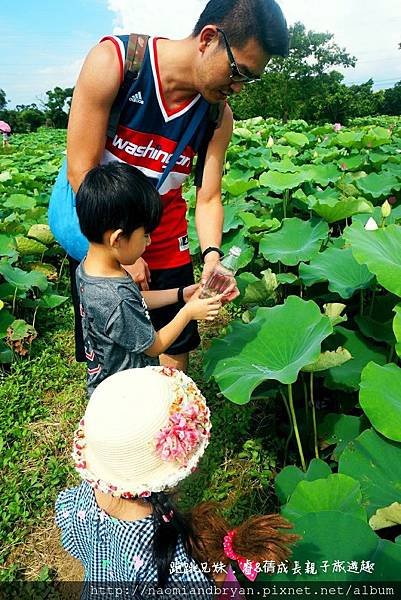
{"x":189,"y":290}
{"x":205,"y":309}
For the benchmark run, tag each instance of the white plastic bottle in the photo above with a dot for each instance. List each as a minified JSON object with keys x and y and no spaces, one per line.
{"x":222,"y":275}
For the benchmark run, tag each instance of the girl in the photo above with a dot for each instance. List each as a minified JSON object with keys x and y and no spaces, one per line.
{"x":145,"y":430}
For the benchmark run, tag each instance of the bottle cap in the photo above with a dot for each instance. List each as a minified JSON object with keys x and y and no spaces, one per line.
{"x":235,"y":251}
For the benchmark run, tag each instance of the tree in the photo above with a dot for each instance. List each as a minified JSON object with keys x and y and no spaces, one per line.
{"x":392,"y":100}
{"x":3,"y":99}
{"x":289,"y":85}
{"x":58,"y":106}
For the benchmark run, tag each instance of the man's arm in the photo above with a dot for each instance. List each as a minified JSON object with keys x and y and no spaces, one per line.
{"x":209,"y":213}
{"x":94,"y":94}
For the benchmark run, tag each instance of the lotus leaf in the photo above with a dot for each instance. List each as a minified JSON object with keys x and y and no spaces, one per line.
{"x":340,"y":429}
{"x":342,"y":209}
{"x":261,"y":290}
{"x":7,"y":246}
{"x":397,"y":328}
{"x":335,"y":492}
{"x":339,"y":267}
{"x":289,"y":477}
{"x":348,"y":375}
{"x":236,"y":187}
{"x":332,"y":540}
{"x":348,"y":139}
{"x":378,"y":136}
{"x":6,"y":318}
{"x":328,"y":360}
{"x":27,"y":246}
{"x":283,"y":166}
{"x":376,"y":463}
{"x":297,"y":240}
{"x":255,"y":224}
{"x":42,"y":233}
{"x":20,"y":202}
{"x":322,"y":174}
{"x":21,"y":279}
{"x":279,"y":182}
{"x":379,"y":185}
{"x":380,"y":398}
{"x":286,"y":278}
{"x":386,"y":517}
{"x":275,"y":345}
{"x":333,"y":310}
{"x":354,"y":162}
{"x":296,"y":139}
{"x":377,"y":330}
{"x":380,"y":251}
{"x":19,"y":330}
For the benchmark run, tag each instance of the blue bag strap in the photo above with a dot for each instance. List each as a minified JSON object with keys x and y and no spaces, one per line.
{"x":186,"y":138}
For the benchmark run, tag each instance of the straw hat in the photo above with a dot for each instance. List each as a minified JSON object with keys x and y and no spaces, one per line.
{"x":144,"y":430}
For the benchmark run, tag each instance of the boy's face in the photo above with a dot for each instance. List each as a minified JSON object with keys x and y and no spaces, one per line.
{"x":129,"y":249}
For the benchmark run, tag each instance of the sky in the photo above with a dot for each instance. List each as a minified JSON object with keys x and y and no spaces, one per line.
{"x":43,"y":42}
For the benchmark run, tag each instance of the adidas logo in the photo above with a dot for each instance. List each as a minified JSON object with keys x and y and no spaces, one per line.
{"x":136,"y":98}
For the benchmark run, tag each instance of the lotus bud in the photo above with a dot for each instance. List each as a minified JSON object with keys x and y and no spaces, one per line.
{"x":371,"y":225}
{"x":270,"y":142}
{"x":315,"y":154}
{"x":392,"y":200}
{"x":386,"y":209}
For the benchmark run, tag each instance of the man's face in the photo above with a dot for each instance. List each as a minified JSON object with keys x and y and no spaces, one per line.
{"x":216,"y":74}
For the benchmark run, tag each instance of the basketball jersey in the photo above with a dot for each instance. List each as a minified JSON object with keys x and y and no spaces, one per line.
{"x":146,"y":137}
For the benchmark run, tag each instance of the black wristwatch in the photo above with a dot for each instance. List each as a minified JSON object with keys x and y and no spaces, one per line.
{"x":212,"y":249}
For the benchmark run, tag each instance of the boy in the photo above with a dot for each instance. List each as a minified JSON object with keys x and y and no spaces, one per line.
{"x":117,"y":208}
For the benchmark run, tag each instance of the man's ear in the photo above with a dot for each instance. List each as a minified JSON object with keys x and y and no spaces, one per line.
{"x":114,"y":237}
{"x":207,"y":36}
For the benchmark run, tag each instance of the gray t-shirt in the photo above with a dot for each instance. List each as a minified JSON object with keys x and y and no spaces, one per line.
{"x":116,"y":325}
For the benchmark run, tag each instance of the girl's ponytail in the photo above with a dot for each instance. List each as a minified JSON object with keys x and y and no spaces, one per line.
{"x":259,"y":538}
{"x":168,"y":525}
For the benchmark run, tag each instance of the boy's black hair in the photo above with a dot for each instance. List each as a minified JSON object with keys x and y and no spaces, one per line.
{"x":242,"y":20}
{"x":116,"y":196}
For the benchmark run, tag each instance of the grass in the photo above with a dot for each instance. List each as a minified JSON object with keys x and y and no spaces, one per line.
{"x":44,"y":397}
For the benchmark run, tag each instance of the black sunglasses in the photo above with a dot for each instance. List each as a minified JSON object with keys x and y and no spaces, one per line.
{"x":236,"y":75}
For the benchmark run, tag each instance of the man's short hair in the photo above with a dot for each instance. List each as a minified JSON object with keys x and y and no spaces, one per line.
{"x":116,"y":196}
{"x":242,"y":20}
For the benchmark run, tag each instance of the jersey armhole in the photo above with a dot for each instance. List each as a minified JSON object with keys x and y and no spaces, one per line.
{"x":120,"y":49}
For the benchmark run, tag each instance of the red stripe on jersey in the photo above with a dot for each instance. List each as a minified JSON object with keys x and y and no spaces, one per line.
{"x":148,"y":150}
{"x":170,"y":112}
{"x":120,"y":58}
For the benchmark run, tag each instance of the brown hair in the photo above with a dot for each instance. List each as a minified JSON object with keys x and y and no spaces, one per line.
{"x":259,"y":538}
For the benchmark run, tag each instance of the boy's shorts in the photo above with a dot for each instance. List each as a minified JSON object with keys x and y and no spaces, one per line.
{"x":161,"y":279}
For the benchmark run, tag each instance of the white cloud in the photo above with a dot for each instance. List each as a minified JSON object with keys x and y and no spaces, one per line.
{"x":172,"y":18}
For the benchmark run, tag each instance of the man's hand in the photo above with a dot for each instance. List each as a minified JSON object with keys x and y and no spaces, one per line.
{"x":140,"y":273}
{"x":211,"y":262}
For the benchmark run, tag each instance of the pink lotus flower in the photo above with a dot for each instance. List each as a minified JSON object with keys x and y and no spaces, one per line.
{"x":337,"y":127}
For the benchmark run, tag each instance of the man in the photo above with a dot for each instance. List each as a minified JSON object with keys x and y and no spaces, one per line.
{"x":231,"y":44}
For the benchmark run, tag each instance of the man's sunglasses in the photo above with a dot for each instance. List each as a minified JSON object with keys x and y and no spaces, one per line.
{"x":236,"y":75}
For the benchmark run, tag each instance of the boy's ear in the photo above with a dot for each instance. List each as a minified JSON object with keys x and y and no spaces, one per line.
{"x":115,"y":237}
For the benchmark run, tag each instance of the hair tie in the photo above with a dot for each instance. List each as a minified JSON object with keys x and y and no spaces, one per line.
{"x":167,"y":517}
{"x":248,"y":567}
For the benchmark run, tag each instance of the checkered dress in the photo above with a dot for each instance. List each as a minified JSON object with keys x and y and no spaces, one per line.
{"x":117,"y":552}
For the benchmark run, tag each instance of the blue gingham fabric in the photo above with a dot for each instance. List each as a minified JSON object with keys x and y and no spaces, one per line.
{"x":116,"y":551}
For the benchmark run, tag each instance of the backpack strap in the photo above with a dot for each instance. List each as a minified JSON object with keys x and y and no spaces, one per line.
{"x":215,"y":117}
{"x":135,"y":54}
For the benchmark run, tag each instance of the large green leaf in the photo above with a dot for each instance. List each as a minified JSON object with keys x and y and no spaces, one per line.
{"x":342,"y":209}
{"x":348,"y":375}
{"x":339,"y":267}
{"x":332,"y":538}
{"x":328,"y":360}
{"x":279,"y":182}
{"x":397,"y":328}
{"x":296,"y":139}
{"x":376,"y":463}
{"x":7,"y":246}
{"x":340,"y":429}
{"x":386,"y":517}
{"x":377,"y":330}
{"x":6,"y":318}
{"x":289,"y":477}
{"x":380,"y":250}
{"x":379,"y":185}
{"x":261,"y":290}
{"x":275,"y":345}
{"x":21,"y":279}
{"x":20,"y":202}
{"x":335,"y":492}
{"x":322,"y":174}
{"x":297,"y":240}
{"x":380,"y":398}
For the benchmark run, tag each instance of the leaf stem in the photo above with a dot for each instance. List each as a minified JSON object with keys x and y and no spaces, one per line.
{"x":287,"y":442}
{"x":312,"y":399}
{"x":372,"y":302}
{"x":361,"y":303}
{"x":295,"y":424}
